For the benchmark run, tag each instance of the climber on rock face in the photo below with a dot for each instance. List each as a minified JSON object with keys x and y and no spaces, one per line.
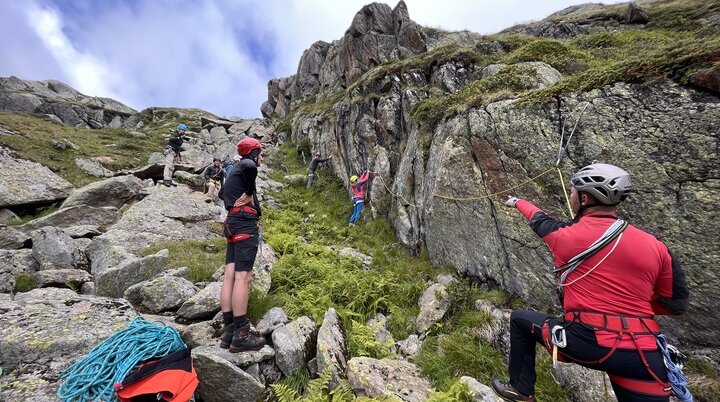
{"x":242,"y":233}
{"x":609,"y":293}
{"x":358,"y":185}
{"x":172,"y":152}
{"x":313,"y":167}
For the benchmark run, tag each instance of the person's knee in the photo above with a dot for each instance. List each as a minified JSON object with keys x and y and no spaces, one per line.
{"x":245,"y":277}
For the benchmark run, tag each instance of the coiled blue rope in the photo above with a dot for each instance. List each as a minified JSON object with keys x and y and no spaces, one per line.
{"x":93,"y":377}
{"x":675,"y":374}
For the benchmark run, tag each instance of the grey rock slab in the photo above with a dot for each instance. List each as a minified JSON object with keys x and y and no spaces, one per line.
{"x":154,"y":170}
{"x":82,"y":231}
{"x":241,"y":359}
{"x":194,"y":181}
{"x":221,"y":380}
{"x":272,"y":320}
{"x":181,"y":272}
{"x":112,"y":192}
{"x":331,"y":347}
{"x":262,"y":268}
{"x":66,"y":278}
{"x":382,"y":378}
{"x":23,"y":182}
{"x":584,"y":384}
{"x":74,"y":216}
{"x":294,"y":344}
{"x":270,"y":372}
{"x":54,"y":249}
{"x":497,"y":331}
{"x":49,"y":324}
{"x":364,"y":259}
{"x":295,"y":179}
{"x":480,"y":392}
{"x":7,"y":216}
{"x":166,"y":214}
{"x":199,"y":334}
{"x":160,"y":294}
{"x":13,"y":239}
{"x":114,"y":281}
{"x":87,"y":288}
{"x":14,"y":263}
{"x":380,"y":331}
{"x":93,"y":167}
{"x":409,"y":347}
{"x":433,"y":303}
{"x":204,"y":304}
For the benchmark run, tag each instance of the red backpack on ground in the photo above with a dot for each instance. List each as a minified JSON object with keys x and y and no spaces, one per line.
{"x":171,"y":378}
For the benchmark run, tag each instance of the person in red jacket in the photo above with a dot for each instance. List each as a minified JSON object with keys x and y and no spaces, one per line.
{"x":358,"y":185}
{"x":609,"y":298}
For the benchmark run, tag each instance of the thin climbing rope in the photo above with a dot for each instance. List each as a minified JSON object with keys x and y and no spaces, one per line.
{"x":93,"y":377}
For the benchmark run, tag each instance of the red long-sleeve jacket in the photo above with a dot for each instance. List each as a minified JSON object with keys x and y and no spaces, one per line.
{"x":358,"y":187}
{"x":640,"y":277}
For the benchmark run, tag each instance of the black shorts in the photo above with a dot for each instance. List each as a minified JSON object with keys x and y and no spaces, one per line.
{"x":242,"y":252}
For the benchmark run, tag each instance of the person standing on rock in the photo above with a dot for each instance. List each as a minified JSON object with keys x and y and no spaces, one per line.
{"x":214,"y":176}
{"x":242,"y":232}
{"x":317,"y":160}
{"x":172,"y":153}
{"x":358,"y":185}
{"x":612,"y":279}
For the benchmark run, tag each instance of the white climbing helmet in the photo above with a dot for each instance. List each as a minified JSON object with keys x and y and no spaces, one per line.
{"x":607,"y":183}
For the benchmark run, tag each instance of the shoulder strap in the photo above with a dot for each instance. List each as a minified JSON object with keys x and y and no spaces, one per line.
{"x":610,"y":234}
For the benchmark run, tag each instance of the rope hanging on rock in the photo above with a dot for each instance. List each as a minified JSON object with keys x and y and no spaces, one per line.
{"x":562,"y":151}
{"x":92,"y":378}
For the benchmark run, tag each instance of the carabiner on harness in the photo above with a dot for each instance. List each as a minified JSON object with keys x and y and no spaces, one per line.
{"x":558,"y":336}
{"x":558,"y":340}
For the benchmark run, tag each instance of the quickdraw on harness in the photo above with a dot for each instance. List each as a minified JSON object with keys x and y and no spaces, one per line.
{"x":674,"y":361}
{"x":231,"y":237}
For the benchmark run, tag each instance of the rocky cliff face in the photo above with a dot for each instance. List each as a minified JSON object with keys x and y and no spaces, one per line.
{"x":446,"y":130}
{"x":61,"y":102}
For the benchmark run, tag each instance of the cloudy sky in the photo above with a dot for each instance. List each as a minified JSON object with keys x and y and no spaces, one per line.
{"x":217,"y":55}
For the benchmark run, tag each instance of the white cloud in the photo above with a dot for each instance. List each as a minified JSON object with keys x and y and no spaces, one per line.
{"x":213,"y":54}
{"x":85,"y":71}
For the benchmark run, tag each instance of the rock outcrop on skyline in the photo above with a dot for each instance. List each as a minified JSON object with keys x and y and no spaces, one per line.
{"x":61,"y":102}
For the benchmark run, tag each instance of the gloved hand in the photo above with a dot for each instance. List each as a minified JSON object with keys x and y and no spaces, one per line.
{"x":511,"y":201}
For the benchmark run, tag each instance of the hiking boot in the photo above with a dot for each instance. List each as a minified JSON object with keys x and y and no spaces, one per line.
{"x":227,"y":336}
{"x":169,"y":183}
{"x":508,"y":393}
{"x":245,"y":339}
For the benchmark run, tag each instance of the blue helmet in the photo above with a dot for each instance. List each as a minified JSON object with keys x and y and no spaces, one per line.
{"x":182,"y":127}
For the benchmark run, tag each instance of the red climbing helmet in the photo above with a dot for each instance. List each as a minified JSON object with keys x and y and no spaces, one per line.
{"x":246,"y":145}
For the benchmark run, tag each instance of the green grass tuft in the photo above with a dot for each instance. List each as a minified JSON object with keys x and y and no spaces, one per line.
{"x":202,"y":257}
{"x":24,"y":283}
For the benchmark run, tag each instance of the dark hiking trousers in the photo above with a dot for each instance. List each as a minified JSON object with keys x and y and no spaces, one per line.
{"x":526,"y":331}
